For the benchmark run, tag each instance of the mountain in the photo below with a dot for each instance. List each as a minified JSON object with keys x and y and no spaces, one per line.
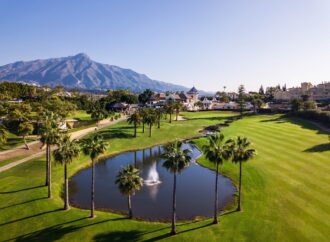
{"x":80,"y":71}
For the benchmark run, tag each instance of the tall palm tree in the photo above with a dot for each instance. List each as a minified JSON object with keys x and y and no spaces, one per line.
{"x":217,"y":151}
{"x":143,"y":114}
{"x":241,"y":153}
{"x":169,"y":107}
{"x":93,"y":147}
{"x":177,"y":107}
{"x":176,"y":160}
{"x":50,"y":135}
{"x":159,"y":115}
{"x":129,"y":181}
{"x":3,"y":134}
{"x":135,"y":119}
{"x":25,"y":128}
{"x":64,"y":155}
{"x":150,"y":119}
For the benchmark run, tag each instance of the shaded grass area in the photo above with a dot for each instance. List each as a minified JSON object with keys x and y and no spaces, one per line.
{"x":14,"y":141}
{"x":285,"y":190}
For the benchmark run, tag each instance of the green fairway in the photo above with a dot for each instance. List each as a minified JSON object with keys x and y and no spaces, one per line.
{"x":81,"y":115}
{"x":285,"y":188}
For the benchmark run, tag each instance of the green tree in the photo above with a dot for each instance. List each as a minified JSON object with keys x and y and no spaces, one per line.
{"x":134,"y":119}
{"x":169,"y":108}
{"x":64,"y":155}
{"x":241,"y":153}
{"x":50,"y":135}
{"x":217,"y":151}
{"x":129,"y":181}
{"x":296,"y":105}
{"x":177,"y":107}
{"x":176,"y":160}
{"x":257,"y":102}
{"x":25,"y":128}
{"x":150,"y":119}
{"x":93,"y":147}
{"x":3,"y":135}
{"x":310,"y":105}
{"x":159,"y":114}
{"x":143,"y":114}
{"x":145,"y":96}
{"x":98,"y":112}
{"x":241,"y":99}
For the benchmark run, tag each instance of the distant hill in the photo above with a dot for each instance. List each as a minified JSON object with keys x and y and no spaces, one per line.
{"x":80,"y":71}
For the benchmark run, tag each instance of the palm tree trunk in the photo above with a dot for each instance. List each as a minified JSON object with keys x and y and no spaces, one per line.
{"x":92,"y":190}
{"x":66,"y":184}
{"x":135,"y":126}
{"x":47,"y":160}
{"x":177,"y":114}
{"x":130,"y":213}
{"x":173,"y":231}
{"x":150,"y":126}
{"x":142,"y":127}
{"x":49,"y":173}
{"x":25,"y":143}
{"x":239,"y":187}
{"x":170,"y":117}
{"x":215,"y":219}
{"x":159,"y":122}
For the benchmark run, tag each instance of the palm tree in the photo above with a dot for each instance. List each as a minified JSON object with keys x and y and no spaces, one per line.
{"x":177,"y":107}
{"x":134,"y":119}
{"x":25,"y":128}
{"x":150,"y":119}
{"x":50,"y":135}
{"x":3,"y":134}
{"x":176,"y":160}
{"x":217,"y":151}
{"x":241,"y":153}
{"x":169,"y":107}
{"x":159,"y":115}
{"x":143,"y":114}
{"x":129,"y":181}
{"x":93,"y":147}
{"x":64,"y":155}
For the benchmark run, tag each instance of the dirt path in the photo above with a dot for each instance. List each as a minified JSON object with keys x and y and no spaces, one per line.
{"x":35,"y":146}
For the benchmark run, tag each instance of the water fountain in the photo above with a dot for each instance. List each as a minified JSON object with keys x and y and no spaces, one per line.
{"x":153,"y":177}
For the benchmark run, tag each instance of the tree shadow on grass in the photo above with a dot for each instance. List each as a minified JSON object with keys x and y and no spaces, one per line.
{"x":133,"y":235}
{"x":20,"y":190}
{"x":305,"y":124}
{"x":116,"y":133}
{"x":25,"y":202}
{"x":319,"y":148}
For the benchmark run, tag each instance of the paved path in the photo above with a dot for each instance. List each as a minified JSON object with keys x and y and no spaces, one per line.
{"x":36,"y":145}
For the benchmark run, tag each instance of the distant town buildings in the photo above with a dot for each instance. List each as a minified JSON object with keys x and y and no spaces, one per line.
{"x":315,"y":93}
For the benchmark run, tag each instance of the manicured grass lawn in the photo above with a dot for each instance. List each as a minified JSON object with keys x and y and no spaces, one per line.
{"x":285,"y":189}
{"x":81,"y":115}
{"x":13,"y":141}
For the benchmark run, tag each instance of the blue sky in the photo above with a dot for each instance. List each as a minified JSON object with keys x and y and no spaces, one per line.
{"x":206,"y":43}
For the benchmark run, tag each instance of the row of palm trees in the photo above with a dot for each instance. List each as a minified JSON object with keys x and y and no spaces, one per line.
{"x":217,"y":150}
{"x":66,"y":151}
{"x":153,"y":116}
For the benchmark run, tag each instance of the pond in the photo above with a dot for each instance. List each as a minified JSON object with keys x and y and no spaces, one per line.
{"x":195,"y":187}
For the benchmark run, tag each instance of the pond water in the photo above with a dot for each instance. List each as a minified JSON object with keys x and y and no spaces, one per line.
{"x":195,"y":187}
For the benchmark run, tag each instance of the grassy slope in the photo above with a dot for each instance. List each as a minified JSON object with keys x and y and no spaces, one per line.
{"x":285,"y":191}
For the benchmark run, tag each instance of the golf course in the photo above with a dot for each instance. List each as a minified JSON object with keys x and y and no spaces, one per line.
{"x":285,"y":187}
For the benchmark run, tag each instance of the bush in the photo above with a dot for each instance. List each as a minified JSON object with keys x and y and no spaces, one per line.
{"x":316,"y":115}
